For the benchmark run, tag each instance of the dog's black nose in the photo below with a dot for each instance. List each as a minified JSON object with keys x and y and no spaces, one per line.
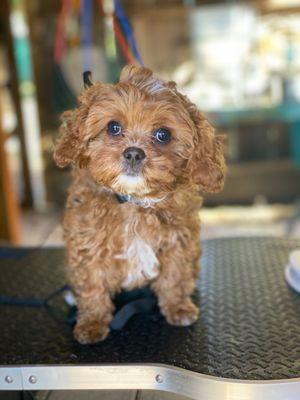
{"x":134,"y":155}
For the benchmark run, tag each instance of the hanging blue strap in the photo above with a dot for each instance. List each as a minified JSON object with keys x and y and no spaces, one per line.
{"x":119,"y":10}
{"x":87,"y":35}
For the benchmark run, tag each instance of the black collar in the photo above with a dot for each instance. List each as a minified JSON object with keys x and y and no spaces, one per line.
{"x":122,"y":198}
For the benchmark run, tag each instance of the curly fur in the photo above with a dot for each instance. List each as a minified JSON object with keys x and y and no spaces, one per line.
{"x":154,"y":238}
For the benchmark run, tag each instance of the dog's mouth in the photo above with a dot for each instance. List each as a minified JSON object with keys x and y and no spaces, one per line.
{"x":129,"y":184}
{"x":134,"y":170}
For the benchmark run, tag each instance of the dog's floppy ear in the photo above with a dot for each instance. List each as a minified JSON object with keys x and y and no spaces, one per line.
{"x":71,"y":141}
{"x":207,"y":164}
{"x":70,"y":144}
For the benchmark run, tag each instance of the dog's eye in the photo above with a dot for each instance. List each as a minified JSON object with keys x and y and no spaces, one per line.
{"x":114,"y":128}
{"x":162,"y":135}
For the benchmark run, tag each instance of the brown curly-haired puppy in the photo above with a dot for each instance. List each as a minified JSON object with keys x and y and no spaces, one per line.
{"x":141,"y":142}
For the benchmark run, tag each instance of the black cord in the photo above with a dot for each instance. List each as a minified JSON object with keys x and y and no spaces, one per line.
{"x":31,"y":301}
{"x":15,"y":301}
{"x":56,"y":293}
{"x":48,"y":395}
{"x":26,"y":395}
{"x":135,"y":302}
{"x":32,"y":396}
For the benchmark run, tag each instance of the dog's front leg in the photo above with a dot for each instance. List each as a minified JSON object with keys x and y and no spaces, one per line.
{"x":176,"y":283}
{"x":95,"y":312}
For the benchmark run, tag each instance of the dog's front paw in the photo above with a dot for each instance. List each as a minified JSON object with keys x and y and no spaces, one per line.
{"x":182,"y":314}
{"x":89,"y":332}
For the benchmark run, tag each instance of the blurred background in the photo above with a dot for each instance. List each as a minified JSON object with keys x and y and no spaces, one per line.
{"x":239,"y":61}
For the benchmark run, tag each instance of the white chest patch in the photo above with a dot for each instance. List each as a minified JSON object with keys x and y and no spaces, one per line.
{"x":142,"y":261}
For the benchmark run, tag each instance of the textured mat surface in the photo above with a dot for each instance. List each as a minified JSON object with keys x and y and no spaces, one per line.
{"x":249,"y":326}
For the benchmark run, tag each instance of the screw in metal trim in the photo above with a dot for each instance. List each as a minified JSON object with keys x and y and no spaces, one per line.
{"x":159,"y":379}
{"x":8,"y":379}
{"x":32,"y":379}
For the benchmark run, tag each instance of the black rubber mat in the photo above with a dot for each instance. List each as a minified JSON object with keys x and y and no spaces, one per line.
{"x":249,"y":326}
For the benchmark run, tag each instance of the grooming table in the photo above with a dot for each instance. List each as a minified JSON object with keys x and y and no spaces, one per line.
{"x":245,"y":346}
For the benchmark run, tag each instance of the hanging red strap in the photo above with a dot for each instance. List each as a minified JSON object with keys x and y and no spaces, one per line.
{"x":60,"y":38}
{"x":119,"y":35}
{"x":122,"y":42}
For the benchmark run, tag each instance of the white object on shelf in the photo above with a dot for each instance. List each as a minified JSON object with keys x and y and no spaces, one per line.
{"x":292,"y":270}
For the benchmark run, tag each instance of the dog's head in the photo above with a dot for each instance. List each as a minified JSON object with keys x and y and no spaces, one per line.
{"x":141,"y":137}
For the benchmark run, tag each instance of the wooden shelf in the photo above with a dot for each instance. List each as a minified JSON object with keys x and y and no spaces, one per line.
{"x":277,"y":180}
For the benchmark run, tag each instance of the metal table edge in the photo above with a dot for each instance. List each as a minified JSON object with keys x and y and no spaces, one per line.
{"x":158,"y":377}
